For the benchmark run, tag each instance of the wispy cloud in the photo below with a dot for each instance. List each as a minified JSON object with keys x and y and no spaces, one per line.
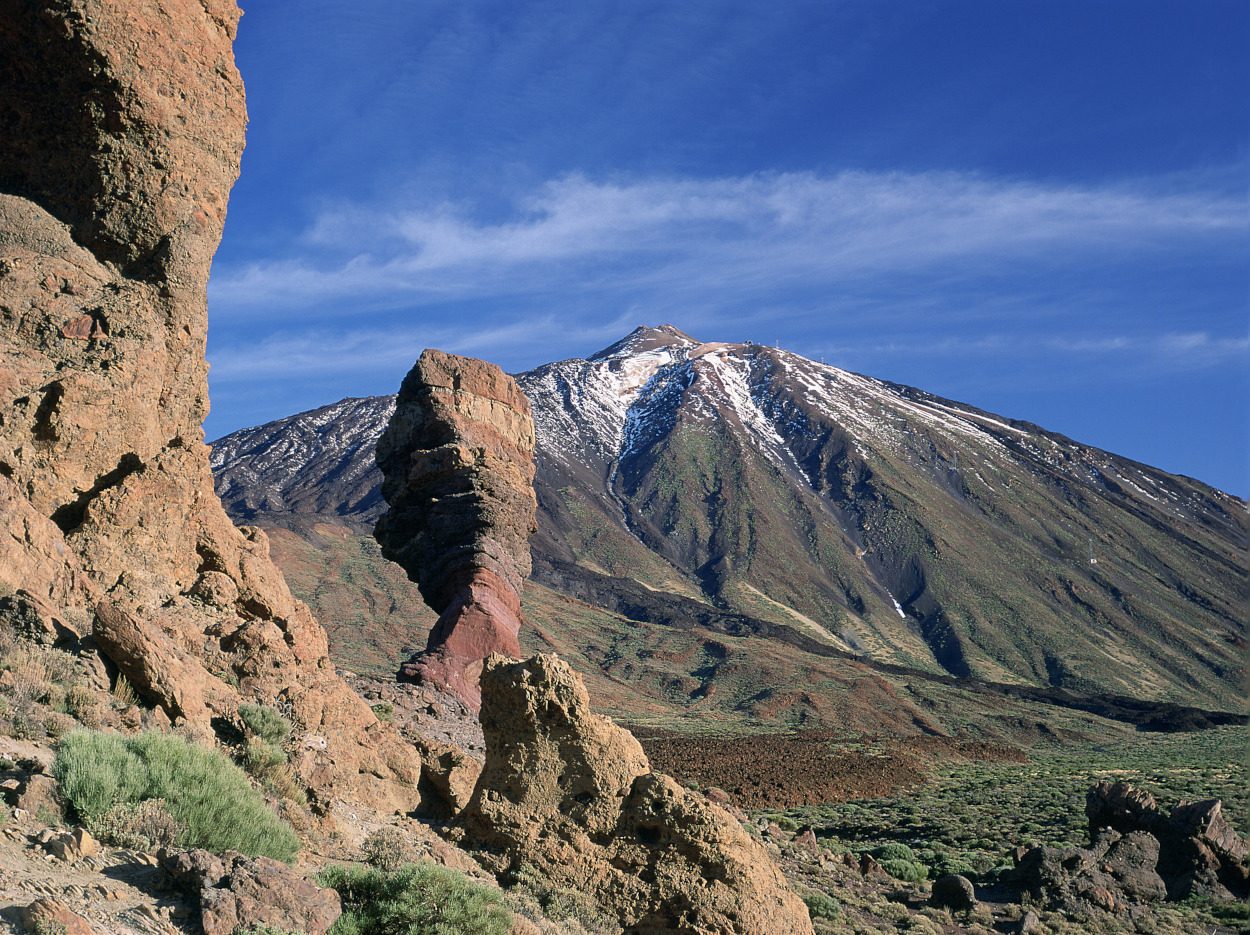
{"x":715,"y":236}
{"x":1170,"y":351}
{"x":332,"y":352}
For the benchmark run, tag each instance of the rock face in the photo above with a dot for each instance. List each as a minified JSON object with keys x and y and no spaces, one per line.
{"x":1139,"y":854}
{"x":458,"y":463}
{"x":571,"y":794}
{"x":121,"y":127}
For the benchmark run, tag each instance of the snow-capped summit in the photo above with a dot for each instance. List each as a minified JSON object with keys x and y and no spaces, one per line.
{"x":866,"y":516}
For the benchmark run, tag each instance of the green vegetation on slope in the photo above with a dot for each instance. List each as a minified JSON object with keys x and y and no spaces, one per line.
{"x":206,"y":794}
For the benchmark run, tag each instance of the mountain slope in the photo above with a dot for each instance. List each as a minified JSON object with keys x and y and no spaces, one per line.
{"x":867,"y":516}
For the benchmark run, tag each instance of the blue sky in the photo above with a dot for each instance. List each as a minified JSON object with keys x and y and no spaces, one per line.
{"x":1036,"y":207}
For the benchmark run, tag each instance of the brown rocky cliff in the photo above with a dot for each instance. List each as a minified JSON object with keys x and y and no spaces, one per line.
{"x":572,"y":795}
{"x":121,"y":127}
{"x":458,"y":463}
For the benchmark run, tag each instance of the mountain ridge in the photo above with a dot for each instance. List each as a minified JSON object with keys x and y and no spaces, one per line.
{"x":874,"y":517}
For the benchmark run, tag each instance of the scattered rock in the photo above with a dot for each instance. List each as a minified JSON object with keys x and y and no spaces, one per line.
{"x":953,"y":892}
{"x":39,"y":792}
{"x":458,"y":463}
{"x":1029,"y":924}
{"x":72,"y":846}
{"x":235,"y":890}
{"x":806,"y":838}
{"x":868,"y":864}
{"x":571,"y":794}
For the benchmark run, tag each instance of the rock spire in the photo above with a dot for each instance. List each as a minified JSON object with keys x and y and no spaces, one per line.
{"x":458,"y":463}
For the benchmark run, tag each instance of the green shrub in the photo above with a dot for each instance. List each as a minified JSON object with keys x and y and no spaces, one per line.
{"x":786,"y":823}
{"x":203,"y":791}
{"x":265,"y":722}
{"x":945,"y":863}
{"x":415,"y":900}
{"x":893,"y":851}
{"x":906,"y":870}
{"x":383,"y":710}
{"x":822,"y":906}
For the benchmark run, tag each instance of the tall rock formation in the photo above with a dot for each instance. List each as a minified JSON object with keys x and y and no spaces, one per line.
{"x":121,"y":127}
{"x":572,"y":795}
{"x":458,"y":463}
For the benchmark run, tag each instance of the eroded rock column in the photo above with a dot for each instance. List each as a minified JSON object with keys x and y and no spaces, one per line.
{"x":458,"y":462}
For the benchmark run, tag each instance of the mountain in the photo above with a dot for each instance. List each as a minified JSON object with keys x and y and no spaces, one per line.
{"x":770,"y":494}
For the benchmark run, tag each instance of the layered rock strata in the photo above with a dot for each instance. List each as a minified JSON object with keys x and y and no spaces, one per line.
{"x":572,"y":795}
{"x":458,"y":463}
{"x":121,"y":128}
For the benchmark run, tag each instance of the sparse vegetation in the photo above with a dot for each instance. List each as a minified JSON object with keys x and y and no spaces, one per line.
{"x":144,"y":826}
{"x":387,"y":849}
{"x":204,"y":792}
{"x":535,"y":897}
{"x":383,"y":710}
{"x":263,"y":756}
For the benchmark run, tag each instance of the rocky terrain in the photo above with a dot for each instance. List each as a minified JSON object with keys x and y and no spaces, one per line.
{"x":113,"y":203}
{"x":179,"y":752}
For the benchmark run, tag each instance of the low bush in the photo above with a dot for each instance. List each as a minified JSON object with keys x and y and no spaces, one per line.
{"x":265,"y":722}
{"x":387,"y":848}
{"x":945,"y":863}
{"x":142,"y":826}
{"x":414,"y":900}
{"x":906,"y":870}
{"x":822,"y":906}
{"x":893,"y":851}
{"x":383,"y":710}
{"x":574,"y":909}
{"x":203,"y":791}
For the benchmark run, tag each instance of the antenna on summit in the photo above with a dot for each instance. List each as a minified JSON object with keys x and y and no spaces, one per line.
{"x":1092,"y":560}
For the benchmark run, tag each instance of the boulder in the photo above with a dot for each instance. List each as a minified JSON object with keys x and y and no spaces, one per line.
{"x":452,"y":772}
{"x":235,"y":891}
{"x":953,"y":892}
{"x":1199,"y":852}
{"x":458,"y":465}
{"x":52,"y":915}
{"x":1114,"y":870}
{"x":261,"y":890}
{"x":572,"y":795}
